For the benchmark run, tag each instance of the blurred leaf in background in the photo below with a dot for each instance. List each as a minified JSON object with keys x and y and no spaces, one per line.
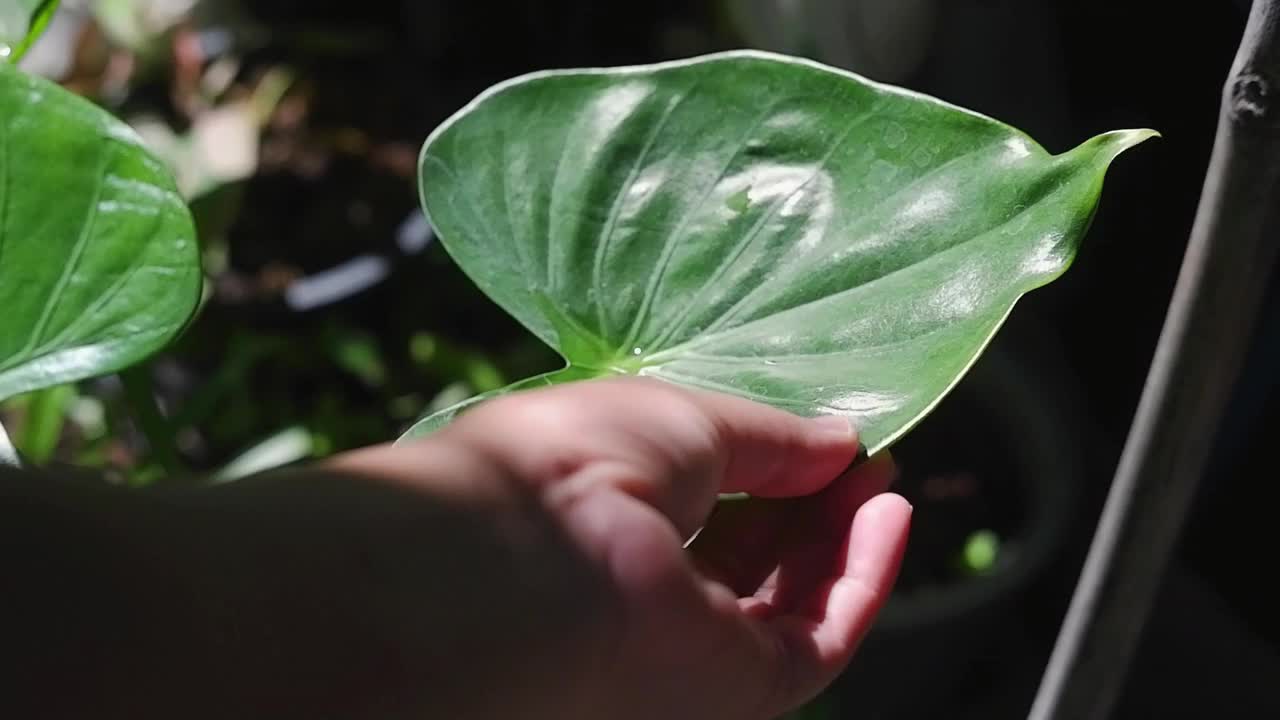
{"x":21,"y":22}
{"x":292,"y":130}
{"x":103,"y":282}
{"x":279,"y":450}
{"x":140,"y":24}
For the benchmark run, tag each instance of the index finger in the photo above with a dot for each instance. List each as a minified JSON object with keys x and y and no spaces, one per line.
{"x":773,"y":453}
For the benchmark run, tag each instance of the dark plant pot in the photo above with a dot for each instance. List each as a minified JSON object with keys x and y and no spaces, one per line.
{"x":1002,"y":453}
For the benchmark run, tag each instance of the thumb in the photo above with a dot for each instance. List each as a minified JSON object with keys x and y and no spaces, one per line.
{"x":671,"y":447}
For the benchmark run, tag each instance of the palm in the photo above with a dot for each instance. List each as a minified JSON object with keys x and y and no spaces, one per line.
{"x":796,"y":576}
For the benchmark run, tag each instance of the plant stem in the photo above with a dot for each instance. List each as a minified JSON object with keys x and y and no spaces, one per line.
{"x":155,"y":427}
{"x":1228,"y":261}
{"x":39,"y":22}
{"x":46,"y":416}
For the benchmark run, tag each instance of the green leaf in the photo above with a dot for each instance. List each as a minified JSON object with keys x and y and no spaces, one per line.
{"x":99,"y":266}
{"x":283,"y":448}
{"x":758,"y":225}
{"x":21,"y":24}
{"x":46,"y":414}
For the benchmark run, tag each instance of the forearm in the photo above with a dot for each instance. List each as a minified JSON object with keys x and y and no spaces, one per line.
{"x":302,"y":595}
{"x":96,"y":603}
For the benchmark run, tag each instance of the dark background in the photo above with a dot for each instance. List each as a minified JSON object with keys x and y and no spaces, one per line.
{"x":1026,"y":447}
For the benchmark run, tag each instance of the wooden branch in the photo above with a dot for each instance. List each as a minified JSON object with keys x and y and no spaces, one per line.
{"x":1228,"y":262}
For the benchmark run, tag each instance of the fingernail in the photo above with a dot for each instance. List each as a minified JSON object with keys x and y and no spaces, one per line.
{"x":835,"y":428}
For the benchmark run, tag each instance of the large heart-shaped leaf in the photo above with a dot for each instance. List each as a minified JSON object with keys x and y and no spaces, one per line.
{"x":756,"y":224}
{"x":98,"y":259}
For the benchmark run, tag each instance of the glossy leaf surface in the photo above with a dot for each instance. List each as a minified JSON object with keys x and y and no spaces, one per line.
{"x":98,"y":257}
{"x":758,"y":225}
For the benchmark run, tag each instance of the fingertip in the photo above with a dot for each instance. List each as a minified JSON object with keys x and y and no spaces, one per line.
{"x":835,"y":430}
{"x":889,"y":502}
{"x":877,"y":540}
{"x":835,"y":507}
{"x":886,"y":514}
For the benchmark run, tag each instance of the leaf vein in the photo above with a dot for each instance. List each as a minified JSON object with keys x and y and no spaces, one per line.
{"x":606,"y":238}
{"x":15,"y":363}
{"x":669,"y":247}
{"x":681,"y":321}
{"x":713,"y":336}
{"x":5,"y":167}
{"x":731,"y":314}
{"x":69,"y":270}
{"x":706,"y":384}
{"x":520,"y":250}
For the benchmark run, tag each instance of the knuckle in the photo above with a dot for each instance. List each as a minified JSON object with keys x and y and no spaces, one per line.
{"x":538,"y":436}
{"x":702,"y":435}
{"x":675,"y":409}
{"x":527,"y":411}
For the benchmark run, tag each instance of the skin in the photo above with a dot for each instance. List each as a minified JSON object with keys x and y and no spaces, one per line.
{"x":528,"y":561}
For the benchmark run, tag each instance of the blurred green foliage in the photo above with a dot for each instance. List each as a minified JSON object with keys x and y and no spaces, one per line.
{"x":291,"y":172}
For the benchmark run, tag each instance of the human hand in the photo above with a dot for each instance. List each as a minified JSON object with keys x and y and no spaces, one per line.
{"x":527,"y":561}
{"x":755,"y":617}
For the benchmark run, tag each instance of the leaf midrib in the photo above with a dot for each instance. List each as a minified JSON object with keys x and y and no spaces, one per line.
{"x":628,"y":363}
{"x":717,"y":325}
{"x":669,"y":354}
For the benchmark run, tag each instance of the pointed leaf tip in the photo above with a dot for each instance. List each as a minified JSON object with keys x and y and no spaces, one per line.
{"x":1109,"y":145}
{"x":1129,"y":138}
